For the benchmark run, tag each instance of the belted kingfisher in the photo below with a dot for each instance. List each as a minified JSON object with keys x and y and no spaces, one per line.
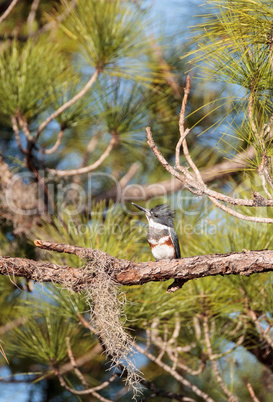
{"x":161,"y":235}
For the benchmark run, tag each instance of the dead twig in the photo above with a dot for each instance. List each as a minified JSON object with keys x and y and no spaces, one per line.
{"x":195,"y":184}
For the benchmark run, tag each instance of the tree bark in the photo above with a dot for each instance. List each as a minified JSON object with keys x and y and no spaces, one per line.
{"x":129,"y":273}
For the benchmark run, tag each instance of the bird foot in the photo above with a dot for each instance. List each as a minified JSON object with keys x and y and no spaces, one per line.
{"x":176,"y":285}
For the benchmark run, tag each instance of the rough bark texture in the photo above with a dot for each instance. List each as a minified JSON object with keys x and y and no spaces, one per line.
{"x":133,"y":273}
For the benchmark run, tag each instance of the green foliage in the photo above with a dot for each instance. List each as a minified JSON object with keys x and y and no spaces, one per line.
{"x":233,"y":43}
{"x":108,"y":229}
{"x":202,"y":230}
{"x":232,"y":46}
{"x":110,"y":34}
{"x":28,"y":73}
{"x":80,"y":113}
{"x":43,"y":337}
{"x":122,"y":107}
{"x":37,"y":77}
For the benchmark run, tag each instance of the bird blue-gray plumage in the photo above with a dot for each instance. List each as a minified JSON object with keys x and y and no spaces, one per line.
{"x":161,"y":236}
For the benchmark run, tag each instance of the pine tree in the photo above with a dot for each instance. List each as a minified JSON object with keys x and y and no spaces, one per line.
{"x":80,"y":81}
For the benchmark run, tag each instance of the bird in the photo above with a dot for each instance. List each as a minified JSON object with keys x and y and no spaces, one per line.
{"x":161,"y":235}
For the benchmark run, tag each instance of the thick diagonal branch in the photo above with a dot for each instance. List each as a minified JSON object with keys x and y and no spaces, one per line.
{"x":130,"y":273}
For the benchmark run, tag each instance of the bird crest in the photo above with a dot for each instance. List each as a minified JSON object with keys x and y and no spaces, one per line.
{"x":163,"y":214}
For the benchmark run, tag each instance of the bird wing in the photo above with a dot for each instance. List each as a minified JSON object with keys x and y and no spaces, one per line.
{"x":175,"y":242}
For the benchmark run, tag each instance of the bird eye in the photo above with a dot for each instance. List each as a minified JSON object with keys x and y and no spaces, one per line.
{"x":155,"y":215}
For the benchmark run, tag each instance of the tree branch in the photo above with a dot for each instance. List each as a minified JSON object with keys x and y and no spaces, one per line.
{"x":218,"y":171}
{"x":193,"y":181}
{"x":8,"y":10}
{"x":54,"y":148}
{"x":66,"y":105}
{"x":252,"y":393}
{"x":89,"y":168}
{"x":219,"y":378}
{"x":129,"y":273}
{"x":174,"y":373}
{"x":17,"y":134}
{"x":32,"y":15}
{"x":198,"y":188}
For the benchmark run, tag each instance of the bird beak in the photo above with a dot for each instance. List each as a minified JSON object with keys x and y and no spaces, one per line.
{"x":146,"y":211}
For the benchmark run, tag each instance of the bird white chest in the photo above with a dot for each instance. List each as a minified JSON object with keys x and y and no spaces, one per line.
{"x":162,"y":251}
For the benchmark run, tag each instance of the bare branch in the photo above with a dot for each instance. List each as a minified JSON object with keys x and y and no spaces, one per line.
{"x":196,"y":184}
{"x":187,"y":179}
{"x":17,"y":134}
{"x":198,"y":188}
{"x":24,"y":126}
{"x":170,"y":77}
{"x":238,"y":214}
{"x":8,"y":10}
{"x":32,"y":14}
{"x":86,"y":169}
{"x":85,"y":391}
{"x":55,"y":146}
{"x":98,"y":349}
{"x":174,"y":373}
{"x":231,"y":397}
{"x":190,"y":161}
{"x":170,"y":347}
{"x":66,"y":105}
{"x":252,"y":393}
{"x":183,"y":132}
{"x":262,"y":331}
{"x":74,"y":364}
{"x":221,"y":170}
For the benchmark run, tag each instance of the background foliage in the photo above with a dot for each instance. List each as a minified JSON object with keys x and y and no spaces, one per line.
{"x":141,"y":76}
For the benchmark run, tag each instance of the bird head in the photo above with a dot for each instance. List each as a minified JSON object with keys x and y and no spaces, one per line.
{"x":160,"y":214}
